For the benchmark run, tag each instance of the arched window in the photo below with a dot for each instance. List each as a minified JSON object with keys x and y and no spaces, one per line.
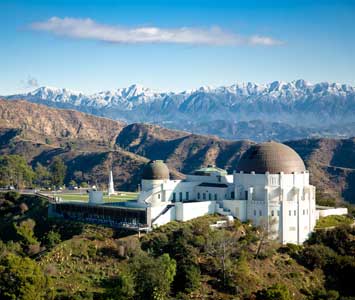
{"x":215,"y":196}
{"x":198,"y":196}
{"x":209,"y":196}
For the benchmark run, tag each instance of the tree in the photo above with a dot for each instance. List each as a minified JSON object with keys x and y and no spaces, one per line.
{"x":26,"y":233}
{"x":153,"y":276}
{"x":220,"y":247}
{"x":43,"y":176}
{"x":14,"y":170}
{"x":22,"y":279}
{"x":58,"y":170}
{"x":267,"y":230}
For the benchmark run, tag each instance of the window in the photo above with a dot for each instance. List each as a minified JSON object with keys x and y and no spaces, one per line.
{"x":272,"y":213}
{"x":232,"y":195}
{"x":180,"y":196}
{"x":304,"y":212}
{"x":158,"y":196}
{"x":209,"y":196}
{"x":174,"y":197}
{"x":307,"y":211}
{"x":294,"y":212}
{"x":278,"y":213}
{"x":254,"y":212}
{"x":198,"y":196}
{"x":204,"y":196}
{"x":187,"y":196}
{"x":289,"y":213}
{"x":246,"y":195}
{"x":260,"y":213}
{"x":215,"y":196}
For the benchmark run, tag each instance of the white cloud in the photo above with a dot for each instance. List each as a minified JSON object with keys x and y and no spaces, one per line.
{"x":30,"y":82}
{"x":89,"y":29}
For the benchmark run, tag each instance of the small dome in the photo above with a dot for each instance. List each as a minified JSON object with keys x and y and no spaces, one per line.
{"x":155,"y":170}
{"x":270,"y":157}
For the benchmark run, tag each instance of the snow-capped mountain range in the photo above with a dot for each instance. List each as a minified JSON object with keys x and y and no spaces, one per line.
{"x":297,"y":103}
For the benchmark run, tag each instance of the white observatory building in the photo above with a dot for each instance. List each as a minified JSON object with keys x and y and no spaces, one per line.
{"x":269,"y":185}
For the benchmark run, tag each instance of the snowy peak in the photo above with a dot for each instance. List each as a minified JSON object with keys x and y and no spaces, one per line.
{"x":240,"y":98}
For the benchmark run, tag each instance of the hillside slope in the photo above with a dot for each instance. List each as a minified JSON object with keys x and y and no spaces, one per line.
{"x":94,"y":145}
{"x":41,"y":121}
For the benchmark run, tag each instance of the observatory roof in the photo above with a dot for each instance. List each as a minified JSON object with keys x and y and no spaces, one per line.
{"x":156,"y":170}
{"x":270,"y":157}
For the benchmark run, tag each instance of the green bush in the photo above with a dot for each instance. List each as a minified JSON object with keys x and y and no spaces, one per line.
{"x":53,"y":238}
{"x":12,"y":196}
{"x":153,"y":276}
{"x":275,"y":292}
{"x":316,"y":256}
{"x":22,"y":279}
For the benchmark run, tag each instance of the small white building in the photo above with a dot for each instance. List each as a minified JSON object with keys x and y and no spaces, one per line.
{"x":270,"y":186}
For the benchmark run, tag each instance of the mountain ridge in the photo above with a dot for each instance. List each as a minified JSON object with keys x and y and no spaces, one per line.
{"x":278,"y":110}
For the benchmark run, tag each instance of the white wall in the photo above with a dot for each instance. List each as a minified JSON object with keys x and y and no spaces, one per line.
{"x":321,"y":213}
{"x":191,"y":210}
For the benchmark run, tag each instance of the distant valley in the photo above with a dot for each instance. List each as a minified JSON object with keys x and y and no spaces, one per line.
{"x":278,"y":110}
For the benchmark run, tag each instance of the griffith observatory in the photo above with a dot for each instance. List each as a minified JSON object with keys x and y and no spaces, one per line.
{"x":269,"y":186}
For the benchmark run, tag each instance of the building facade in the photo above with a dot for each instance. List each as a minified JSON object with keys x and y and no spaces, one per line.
{"x":270,"y":187}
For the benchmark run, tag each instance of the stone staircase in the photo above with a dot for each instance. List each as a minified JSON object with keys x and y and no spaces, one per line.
{"x":221,"y":210}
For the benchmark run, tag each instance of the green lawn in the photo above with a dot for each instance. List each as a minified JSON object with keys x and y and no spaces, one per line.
{"x":122,"y":196}
{"x":331,"y":221}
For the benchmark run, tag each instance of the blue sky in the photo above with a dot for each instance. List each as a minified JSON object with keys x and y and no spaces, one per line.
{"x":173,"y":45}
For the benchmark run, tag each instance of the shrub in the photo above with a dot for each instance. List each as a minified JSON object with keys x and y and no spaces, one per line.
{"x":12,"y":196}
{"x":316,"y":256}
{"x":22,"y":279}
{"x":53,"y":238}
{"x":153,"y":276}
{"x":123,"y":288}
{"x":275,"y":292}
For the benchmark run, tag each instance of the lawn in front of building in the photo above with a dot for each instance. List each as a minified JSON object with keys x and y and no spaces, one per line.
{"x":120,"y":197}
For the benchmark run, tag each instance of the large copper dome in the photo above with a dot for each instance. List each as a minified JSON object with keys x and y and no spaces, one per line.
{"x":156,"y":170}
{"x":270,"y":157}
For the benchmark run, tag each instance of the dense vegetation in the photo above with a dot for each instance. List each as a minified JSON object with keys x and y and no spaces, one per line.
{"x":56,"y":259}
{"x":14,"y":171}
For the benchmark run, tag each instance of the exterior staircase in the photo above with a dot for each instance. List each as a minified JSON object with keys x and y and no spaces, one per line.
{"x":221,"y":210}
{"x":164,"y":211}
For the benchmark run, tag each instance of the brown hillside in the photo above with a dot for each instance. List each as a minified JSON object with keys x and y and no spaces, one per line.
{"x":180,"y":150}
{"x":91,"y":145}
{"x":37,"y":121}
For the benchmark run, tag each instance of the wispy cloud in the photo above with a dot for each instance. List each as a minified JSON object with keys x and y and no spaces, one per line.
{"x":30,"y":82}
{"x":89,"y":29}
